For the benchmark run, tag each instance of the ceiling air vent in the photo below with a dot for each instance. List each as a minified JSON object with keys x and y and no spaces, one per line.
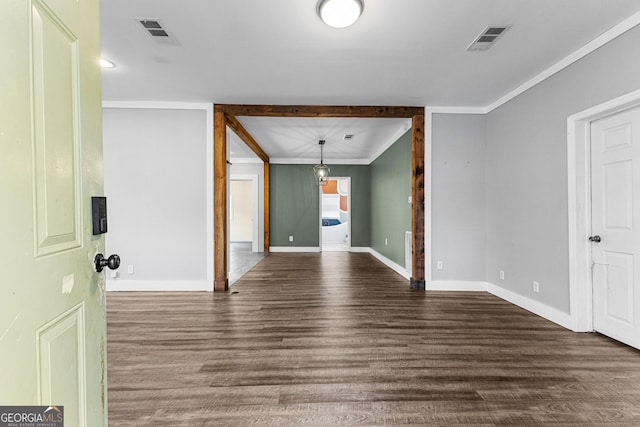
{"x":488,"y":37}
{"x":153,"y":27}
{"x":349,"y":136}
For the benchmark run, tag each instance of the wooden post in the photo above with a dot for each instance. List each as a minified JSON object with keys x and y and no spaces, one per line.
{"x":221,"y":282}
{"x":266,"y":207}
{"x":417,"y":203}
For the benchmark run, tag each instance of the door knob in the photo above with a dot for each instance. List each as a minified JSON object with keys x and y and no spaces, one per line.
{"x":113,"y":262}
{"x":595,"y":239}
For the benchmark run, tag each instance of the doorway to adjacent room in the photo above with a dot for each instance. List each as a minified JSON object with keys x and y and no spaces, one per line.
{"x":335,"y":215}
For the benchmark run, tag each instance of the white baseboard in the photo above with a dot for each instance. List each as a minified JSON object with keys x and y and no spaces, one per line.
{"x":360,"y":249}
{"x":391,"y":264}
{"x":159,"y":285}
{"x":456,"y":285}
{"x":552,"y":314}
{"x":294,"y":249}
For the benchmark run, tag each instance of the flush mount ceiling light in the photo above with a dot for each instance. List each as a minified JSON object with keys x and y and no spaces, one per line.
{"x":340,"y":13}
{"x":105,"y":63}
{"x":321,"y":171}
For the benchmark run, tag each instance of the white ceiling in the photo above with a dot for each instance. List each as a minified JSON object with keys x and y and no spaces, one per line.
{"x":400,"y":52}
{"x":285,"y":139}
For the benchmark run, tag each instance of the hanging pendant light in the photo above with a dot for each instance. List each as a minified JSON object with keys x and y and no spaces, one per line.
{"x":321,"y":171}
{"x":340,"y":13}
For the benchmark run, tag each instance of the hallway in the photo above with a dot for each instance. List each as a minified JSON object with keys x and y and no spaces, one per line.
{"x":242,"y":259}
{"x":339,"y":339}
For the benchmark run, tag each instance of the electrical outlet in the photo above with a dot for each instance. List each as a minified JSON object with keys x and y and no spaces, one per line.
{"x":130,"y":269}
{"x":439,"y":265}
{"x":501,"y":274}
{"x":536,"y":286}
{"x":291,"y":238}
{"x":386,"y":242}
{"x":409,"y":199}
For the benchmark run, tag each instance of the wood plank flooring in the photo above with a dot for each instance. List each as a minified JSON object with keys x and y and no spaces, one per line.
{"x":338,"y":339}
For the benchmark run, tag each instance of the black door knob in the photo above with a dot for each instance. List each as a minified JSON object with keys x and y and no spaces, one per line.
{"x":113,"y":262}
{"x":595,"y":239}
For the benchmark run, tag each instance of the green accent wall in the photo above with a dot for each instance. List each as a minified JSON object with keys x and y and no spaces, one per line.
{"x":390,"y":190}
{"x":295,"y":204}
{"x":379,"y":206}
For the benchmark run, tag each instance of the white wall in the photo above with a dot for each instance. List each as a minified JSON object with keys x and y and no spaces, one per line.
{"x":155,"y":168}
{"x":241,"y":211}
{"x":526,"y":170}
{"x":458,"y":196}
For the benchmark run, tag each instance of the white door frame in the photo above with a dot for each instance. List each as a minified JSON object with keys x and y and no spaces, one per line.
{"x":348,"y":178}
{"x":255,"y":242}
{"x":579,"y":182}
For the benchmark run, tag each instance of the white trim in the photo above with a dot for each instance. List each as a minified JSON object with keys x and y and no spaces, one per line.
{"x":579,"y":206}
{"x":360,"y":249}
{"x":210,"y":180}
{"x":158,"y":105}
{"x":313,"y":161}
{"x":396,"y":136}
{"x":585,"y":50}
{"x":457,"y":110}
{"x":208,"y":108}
{"x":456,"y":285}
{"x":159,"y":285}
{"x":428,"y":163}
{"x":391,"y":264}
{"x":294,"y":249}
{"x":536,"y":307}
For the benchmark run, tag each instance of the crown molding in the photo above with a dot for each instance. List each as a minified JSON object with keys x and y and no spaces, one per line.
{"x":596,"y":43}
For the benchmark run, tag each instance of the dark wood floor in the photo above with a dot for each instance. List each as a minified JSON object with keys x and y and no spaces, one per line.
{"x":338,"y":339}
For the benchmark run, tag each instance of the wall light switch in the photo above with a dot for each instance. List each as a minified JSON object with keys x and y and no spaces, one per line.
{"x":409,"y":198}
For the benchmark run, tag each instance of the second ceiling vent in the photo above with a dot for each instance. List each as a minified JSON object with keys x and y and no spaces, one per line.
{"x":488,"y":37}
{"x":153,"y":27}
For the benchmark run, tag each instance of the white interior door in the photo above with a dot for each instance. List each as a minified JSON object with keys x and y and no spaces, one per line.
{"x":615,"y":184}
{"x":52,"y":312}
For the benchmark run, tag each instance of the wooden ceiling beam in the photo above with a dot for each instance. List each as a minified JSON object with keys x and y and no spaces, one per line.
{"x":320,"y":111}
{"x":238,"y":129}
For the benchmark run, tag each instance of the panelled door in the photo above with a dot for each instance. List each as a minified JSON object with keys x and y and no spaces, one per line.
{"x":615,"y":193}
{"x":52,"y":309}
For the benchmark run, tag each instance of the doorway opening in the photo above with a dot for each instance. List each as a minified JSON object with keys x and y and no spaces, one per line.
{"x":225,"y":115}
{"x":244,"y":225}
{"x":335,"y":215}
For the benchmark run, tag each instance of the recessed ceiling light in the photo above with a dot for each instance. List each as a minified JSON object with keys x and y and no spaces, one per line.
{"x":105,"y":63}
{"x":340,"y":13}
